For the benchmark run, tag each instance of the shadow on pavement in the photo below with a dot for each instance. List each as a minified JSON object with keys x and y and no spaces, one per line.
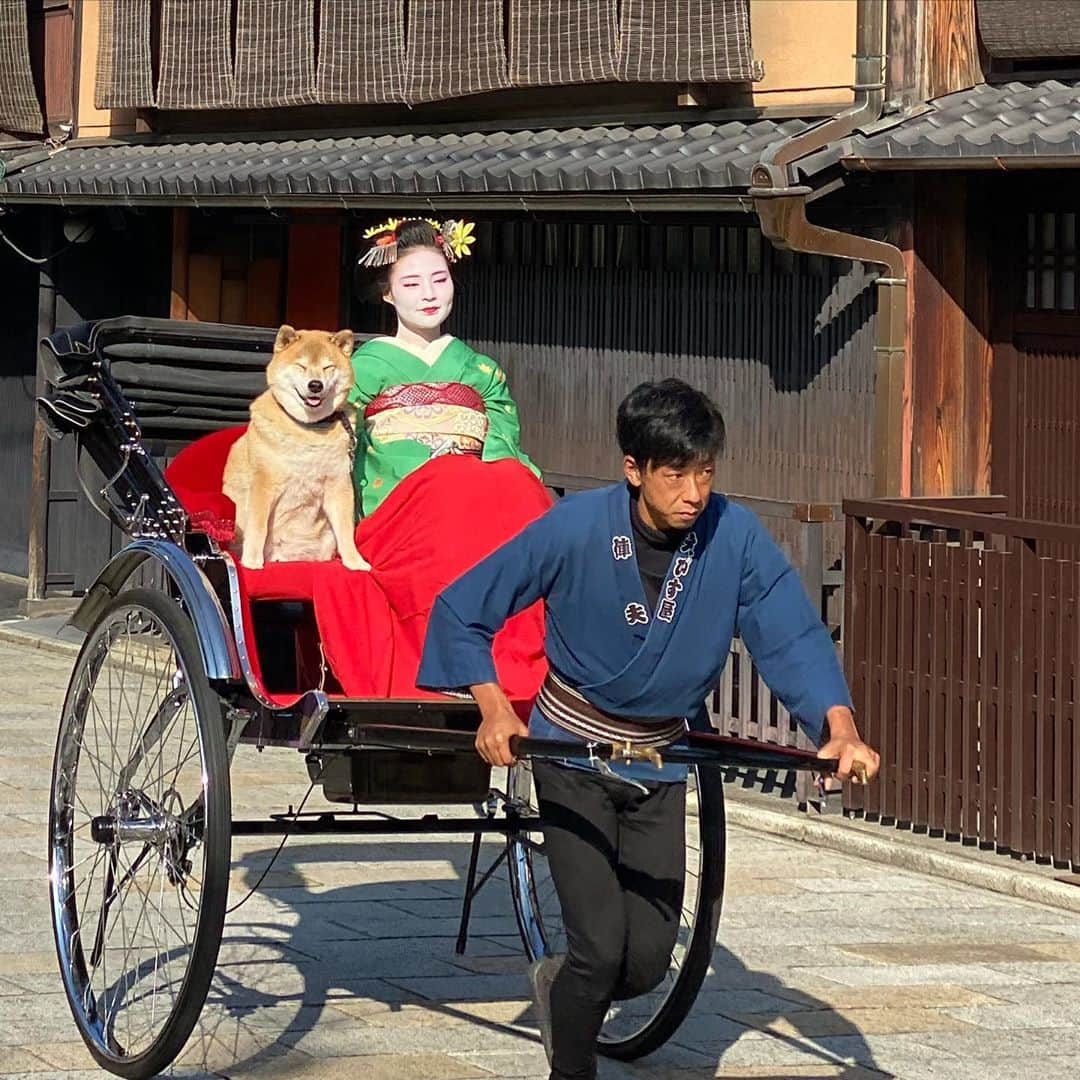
{"x":304,"y":964}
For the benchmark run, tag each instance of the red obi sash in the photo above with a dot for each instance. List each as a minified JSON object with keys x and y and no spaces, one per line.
{"x":412,"y":395}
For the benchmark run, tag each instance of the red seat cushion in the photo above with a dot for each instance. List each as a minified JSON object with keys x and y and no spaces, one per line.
{"x":197,"y":473}
{"x":437,"y":523}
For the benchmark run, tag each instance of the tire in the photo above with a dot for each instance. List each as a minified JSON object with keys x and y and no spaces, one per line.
{"x":639,"y":1026}
{"x":139,"y":835}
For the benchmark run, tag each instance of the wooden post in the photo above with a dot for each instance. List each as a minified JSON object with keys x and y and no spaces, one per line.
{"x":950,"y":354}
{"x":178,"y":306}
{"x":204,"y":287}
{"x":950,"y":47}
{"x":891,"y":363}
{"x":37,"y":553}
{"x":933,"y":49}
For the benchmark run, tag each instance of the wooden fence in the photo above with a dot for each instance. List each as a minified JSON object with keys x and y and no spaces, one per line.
{"x":743,"y":705}
{"x":962,"y":648}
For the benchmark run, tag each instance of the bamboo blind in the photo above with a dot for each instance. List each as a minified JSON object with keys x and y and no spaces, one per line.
{"x":404,"y":51}
{"x":685,"y":41}
{"x":362,"y":58}
{"x":196,"y":58}
{"x":275,"y":53}
{"x":553,"y":42}
{"x":19,"y":108}
{"x":124,"y":77}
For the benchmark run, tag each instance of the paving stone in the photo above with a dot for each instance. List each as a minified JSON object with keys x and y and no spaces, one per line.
{"x":403,"y":1066}
{"x":526,"y":1063}
{"x":711,"y":1033}
{"x":736,"y":887}
{"x":416,"y":927}
{"x":66,"y":1055}
{"x":176,"y":1073}
{"x":374,"y":892}
{"x":232,"y":1047}
{"x":980,"y":1043}
{"x":18,"y":1059}
{"x":885,"y":997}
{"x":385,"y":958}
{"x":518,"y":1013}
{"x":783,"y":1053}
{"x":1049,"y":971}
{"x":1012,"y":1068}
{"x":769,"y":1072}
{"x":476,"y":988}
{"x":1065,"y":951}
{"x":899,"y":975}
{"x":1045,"y":1014}
{"x":883,"y":1021}
{"x":24,"y":866}
{"x":728,"y":1001}
{"x":362,"y":1039}
{"x":946,"y":952}
{"x":764,"y":955}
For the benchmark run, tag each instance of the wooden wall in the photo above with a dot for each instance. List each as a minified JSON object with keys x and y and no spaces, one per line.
{"x":257,"y":273}
{"x":313,"y":299}
{"x":932,"y":49}
{"x":17,"y":389}
{"x":52,"y":57}
{"x":949,"y":337}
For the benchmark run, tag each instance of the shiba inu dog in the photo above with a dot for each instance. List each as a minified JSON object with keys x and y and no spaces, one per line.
{"x":290,"y":473}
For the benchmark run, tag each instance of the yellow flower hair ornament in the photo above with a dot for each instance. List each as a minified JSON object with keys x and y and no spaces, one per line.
{"x":458,"y":238}
{"x":454,"y":237}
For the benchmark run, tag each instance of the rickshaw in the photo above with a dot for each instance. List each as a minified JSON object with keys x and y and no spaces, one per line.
{"x":167,"y":684}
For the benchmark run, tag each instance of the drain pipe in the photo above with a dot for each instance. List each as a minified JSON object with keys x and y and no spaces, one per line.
{"x":780,"y":204}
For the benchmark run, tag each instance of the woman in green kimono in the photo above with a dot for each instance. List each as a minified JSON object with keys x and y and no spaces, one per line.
{"x":423,"y":393}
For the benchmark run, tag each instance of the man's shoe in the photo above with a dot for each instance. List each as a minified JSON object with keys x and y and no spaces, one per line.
{"x":542,"y":974}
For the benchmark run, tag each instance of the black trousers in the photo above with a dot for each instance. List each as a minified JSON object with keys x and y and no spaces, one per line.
{"x":617,"y":858}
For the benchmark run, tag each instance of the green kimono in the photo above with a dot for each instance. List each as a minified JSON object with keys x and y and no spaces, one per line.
{"x":381,"y":364}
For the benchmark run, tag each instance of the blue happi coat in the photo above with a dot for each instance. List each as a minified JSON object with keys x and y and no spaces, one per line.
{"x":728,"y":576}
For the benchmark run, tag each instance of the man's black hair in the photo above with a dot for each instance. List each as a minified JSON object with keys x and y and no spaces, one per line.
{"x":669,"y":423}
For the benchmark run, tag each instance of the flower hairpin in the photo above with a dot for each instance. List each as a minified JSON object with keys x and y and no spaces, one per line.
{"x":458,"y":237}
{"x":454,"y":237}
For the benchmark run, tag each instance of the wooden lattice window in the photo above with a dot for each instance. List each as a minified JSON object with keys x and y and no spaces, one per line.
{"x":1050,"y":278}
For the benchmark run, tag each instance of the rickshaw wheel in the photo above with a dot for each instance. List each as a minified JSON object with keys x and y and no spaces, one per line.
{"x":640,"y":1025}
{"x":139,"y":835}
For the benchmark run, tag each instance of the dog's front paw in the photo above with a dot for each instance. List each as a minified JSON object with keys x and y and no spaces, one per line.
{"x":353,"y":560}
{"x":251,"y":561}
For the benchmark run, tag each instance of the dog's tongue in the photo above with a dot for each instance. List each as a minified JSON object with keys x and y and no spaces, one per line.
{"x":313,"y":402}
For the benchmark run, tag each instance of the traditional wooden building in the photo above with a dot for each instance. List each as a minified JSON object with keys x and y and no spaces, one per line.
{"x":707,"y":188}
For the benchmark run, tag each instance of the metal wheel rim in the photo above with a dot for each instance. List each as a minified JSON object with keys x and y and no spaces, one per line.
{"x":534,"y":894}
{"x":125,"y":964}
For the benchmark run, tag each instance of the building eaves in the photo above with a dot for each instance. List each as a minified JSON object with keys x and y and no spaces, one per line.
{"x":1006,"y":126}
{"x":366,"y":169}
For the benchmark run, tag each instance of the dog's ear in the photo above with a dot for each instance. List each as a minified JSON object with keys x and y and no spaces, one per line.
{"x":343,"y":339}
{"x":285,"y":337}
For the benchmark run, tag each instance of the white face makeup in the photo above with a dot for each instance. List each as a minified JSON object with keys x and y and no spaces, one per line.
{"x":421,"y":290}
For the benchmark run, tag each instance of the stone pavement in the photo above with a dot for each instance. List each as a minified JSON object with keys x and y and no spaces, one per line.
{"x":342,"y":964}
{"x":12,"y":590}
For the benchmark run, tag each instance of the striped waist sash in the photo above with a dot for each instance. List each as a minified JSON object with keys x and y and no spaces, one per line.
{"x":565,"y":707}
